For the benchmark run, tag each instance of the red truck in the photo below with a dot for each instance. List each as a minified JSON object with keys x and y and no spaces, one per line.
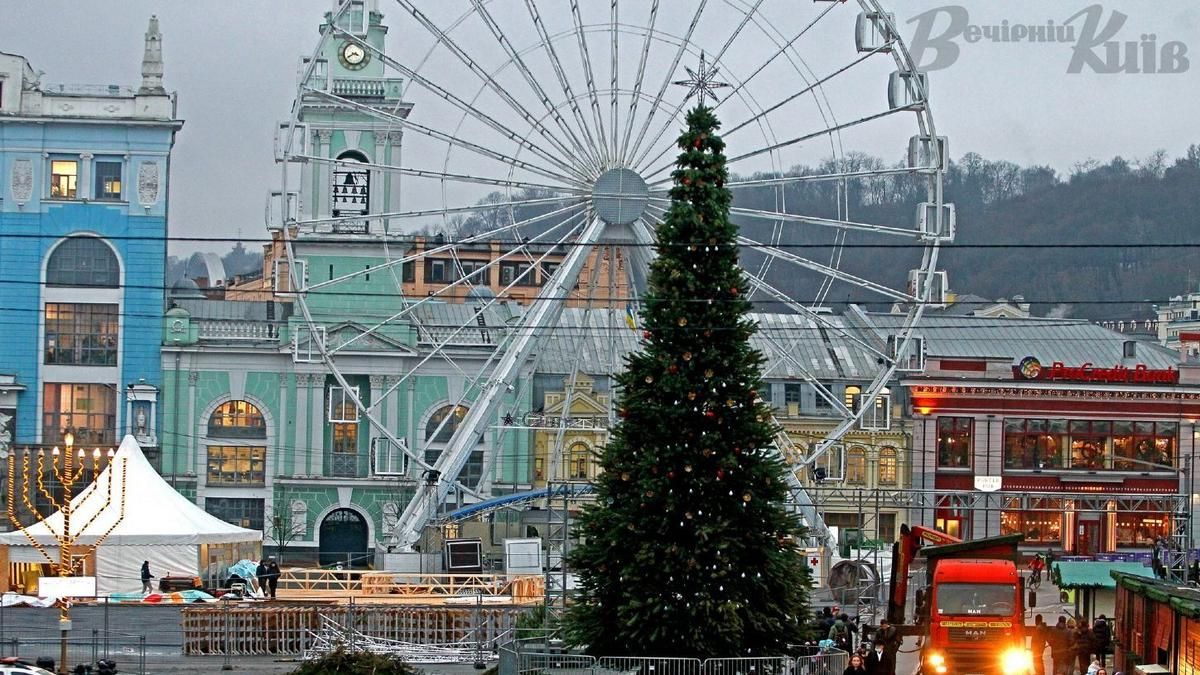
{"x":970,"y":613}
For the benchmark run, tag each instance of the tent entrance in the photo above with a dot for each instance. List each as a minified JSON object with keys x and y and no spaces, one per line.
{"x":343,"y":539}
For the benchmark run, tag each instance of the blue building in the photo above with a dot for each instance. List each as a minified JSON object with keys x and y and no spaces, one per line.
{"x":84,"y":175}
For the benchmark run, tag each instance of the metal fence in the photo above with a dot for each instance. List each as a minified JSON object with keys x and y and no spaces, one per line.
{"x":127,"y":651}
{"x":538,"y":658}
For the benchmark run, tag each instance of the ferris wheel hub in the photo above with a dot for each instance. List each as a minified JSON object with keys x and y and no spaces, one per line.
{"x":620,"y":196}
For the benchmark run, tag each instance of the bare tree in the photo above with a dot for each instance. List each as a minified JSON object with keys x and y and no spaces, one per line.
{"x":282,"y":527}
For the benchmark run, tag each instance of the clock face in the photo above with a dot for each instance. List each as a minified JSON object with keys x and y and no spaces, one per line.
{"x":353,"y":56}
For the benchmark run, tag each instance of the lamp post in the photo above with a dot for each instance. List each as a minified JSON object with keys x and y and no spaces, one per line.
{"x":69,"y":467}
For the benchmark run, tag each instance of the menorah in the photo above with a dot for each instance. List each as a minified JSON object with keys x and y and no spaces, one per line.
{"x":70,"y":468}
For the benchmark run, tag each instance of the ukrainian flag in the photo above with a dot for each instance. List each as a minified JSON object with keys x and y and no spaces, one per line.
{"x":630,"y":316}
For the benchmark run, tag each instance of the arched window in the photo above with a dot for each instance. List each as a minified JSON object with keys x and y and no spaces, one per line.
{"x":856,"y":465}
{"x":437,"y":435}
{"x":83,"y":261}
{"x":853,"y":391}
{"x":580,"y":461}
{"x":237,"y":419}
{"x":889,"y":470}
{"x":436,"y":431}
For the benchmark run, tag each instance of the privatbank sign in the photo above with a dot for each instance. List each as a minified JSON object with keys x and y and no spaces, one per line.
{"x":1032,"y":369}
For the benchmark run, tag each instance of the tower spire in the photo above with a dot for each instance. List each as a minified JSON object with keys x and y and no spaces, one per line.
{"x":152,"y":61}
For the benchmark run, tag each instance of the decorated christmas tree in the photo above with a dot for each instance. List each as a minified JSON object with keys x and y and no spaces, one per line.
{"x":688,"y":550}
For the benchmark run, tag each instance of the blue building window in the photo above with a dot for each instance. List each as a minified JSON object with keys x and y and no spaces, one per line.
{"x":108,"y":180}
{"x":64,"y":177}
{"x":81,"y":335}
{"x":83,"y":261}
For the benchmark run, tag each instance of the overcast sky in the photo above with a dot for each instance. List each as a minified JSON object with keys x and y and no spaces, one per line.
{"x":233,"y":65}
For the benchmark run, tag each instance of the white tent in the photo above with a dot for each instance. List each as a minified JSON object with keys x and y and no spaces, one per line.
{"x":160,"y":525}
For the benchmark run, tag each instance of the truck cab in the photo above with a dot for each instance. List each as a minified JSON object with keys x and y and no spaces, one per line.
{"x":976,"y":619}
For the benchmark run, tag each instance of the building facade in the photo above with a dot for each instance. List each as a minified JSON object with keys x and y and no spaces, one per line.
{"x":84,"y":178}
{"x":1065,"y":432}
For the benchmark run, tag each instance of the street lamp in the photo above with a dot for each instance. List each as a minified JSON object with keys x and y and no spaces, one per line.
{"x":69,"y":467}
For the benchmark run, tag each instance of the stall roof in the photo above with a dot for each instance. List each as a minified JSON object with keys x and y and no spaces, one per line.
{"x":1183,"y":599}
{"x":1094,"y":574}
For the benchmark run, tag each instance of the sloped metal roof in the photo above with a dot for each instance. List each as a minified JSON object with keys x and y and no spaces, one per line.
{"x":1070,"y":341}
{"x":597,"y":342}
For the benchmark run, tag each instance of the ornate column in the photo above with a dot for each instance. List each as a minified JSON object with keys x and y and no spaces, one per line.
{"x":192,"y":457}
{"x":391,"y":195}
{"x":83,"y":189}
{"x":322,"y":140}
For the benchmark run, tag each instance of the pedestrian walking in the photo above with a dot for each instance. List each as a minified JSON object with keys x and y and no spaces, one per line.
{"x":147,"y":587}
{"x":260,"y":573}
{"x":272,"y":576}
{"x":1101,"y":639}
{"x":1038,"y":638}
{"x":1081,"y":644}
{"x":889,"y":637}
{"x":1059,"y":637}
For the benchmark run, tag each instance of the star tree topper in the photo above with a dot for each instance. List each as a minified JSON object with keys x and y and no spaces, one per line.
{"x":702,"y":82}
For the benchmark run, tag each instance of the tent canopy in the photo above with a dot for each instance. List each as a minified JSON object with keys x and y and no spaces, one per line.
{"x":154,"y":513}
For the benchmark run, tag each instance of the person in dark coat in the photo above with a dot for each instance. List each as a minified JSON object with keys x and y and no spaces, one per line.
{"x":1037,"y":644}
{"x":260,"y":573}
{"x":272,"y":577}
{"x":147,"y":587}
{"x":1059,"y":637}
{"x":889,"y":637}
{"x":1081,"y":645}
{"x":1101,"y":638}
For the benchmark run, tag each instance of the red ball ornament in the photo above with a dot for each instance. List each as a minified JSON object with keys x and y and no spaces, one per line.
{"x":671,"y":475}
{"x":646,"y":334}
{"x":710,"y":413}
{"x":673,"y":368}
{"x":720,"y":474}
{"x":733,"y":291}
{"x":697,"y":143}
{"x":623,"y":412}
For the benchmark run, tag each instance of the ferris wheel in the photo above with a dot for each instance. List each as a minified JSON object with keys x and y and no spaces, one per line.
{"x":544,"y":132}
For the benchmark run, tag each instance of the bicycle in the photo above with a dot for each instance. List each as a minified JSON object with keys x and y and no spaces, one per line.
{"x":1035,"y":580}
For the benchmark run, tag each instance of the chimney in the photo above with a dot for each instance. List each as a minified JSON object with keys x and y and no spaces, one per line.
{"x":1019,"y":300}
{"x":152,"y":62}
{"x":1129,"y":350}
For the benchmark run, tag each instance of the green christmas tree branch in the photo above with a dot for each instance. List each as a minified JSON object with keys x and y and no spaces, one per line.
{"x":688,"y":550}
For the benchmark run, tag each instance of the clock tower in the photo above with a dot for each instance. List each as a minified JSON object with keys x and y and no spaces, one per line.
{"x":350,"y":118}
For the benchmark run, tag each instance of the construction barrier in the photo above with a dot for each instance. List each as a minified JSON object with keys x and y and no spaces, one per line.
{"x":274,"y":629}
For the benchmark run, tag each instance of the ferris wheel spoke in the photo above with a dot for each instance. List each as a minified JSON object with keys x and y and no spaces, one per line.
{"x":481,"y":236}
{"x":577,"y":191}
{"x":818,"y":177}
{"x":759,"y":283}
{"x":466,"y":59}
{"x":737,"y":88}
{"x":764,"y":113}
{"x":590,"y":77}
{"x":580,"y":151}
{"x":662,"y":90}
{"x":827,"y":270}
{"x":662,"y":132}
{"x":481,"y":206}
{"x":637,"y":84}
{"x":440,"y":346}
{"x":829,"y":130}
{"x":440,"y":135}
{"x":478,"y":114}
{"x":614,"y":79}
{"x":784,"y":352}
{"x":806,"y":90}
{"x":563,"y":81}
{"x":543,"y":312}
{"x":824,"y":222}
